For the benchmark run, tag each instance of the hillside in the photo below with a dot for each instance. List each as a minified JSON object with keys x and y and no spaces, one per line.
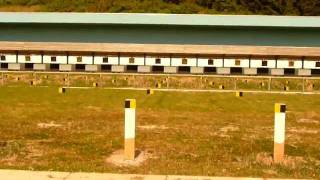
{"x":266,"y":7}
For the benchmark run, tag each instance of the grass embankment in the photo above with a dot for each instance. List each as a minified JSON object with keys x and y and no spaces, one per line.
{"x":186,"y":133}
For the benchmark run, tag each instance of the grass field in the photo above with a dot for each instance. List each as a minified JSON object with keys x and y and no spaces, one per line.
{"x":185,"y":133}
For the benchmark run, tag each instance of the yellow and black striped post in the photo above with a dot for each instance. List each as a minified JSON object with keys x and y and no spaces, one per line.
{"x":279,"y":132}
{"x":150,"y":91}
{"x":129,"y":129}
{"x":239,"y":94}
{"x":62,"y":90}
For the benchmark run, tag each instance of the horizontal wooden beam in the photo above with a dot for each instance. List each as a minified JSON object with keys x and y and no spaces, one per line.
{"x":161,"y":48}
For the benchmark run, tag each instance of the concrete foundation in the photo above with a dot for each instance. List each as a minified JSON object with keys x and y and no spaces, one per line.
{"x":92,"y":68}
{"x":304,"y":72}
{"x":144,"y":69}
{"x":66,"y":67}
{"x":277,"y":72}
{"x":16,"y":67}
{"x":170,"y":69}
{"x":41,"y":67}
{"x":250,"y":71}
{"x":223,"y":70}
{"x":117,"y":68}
{"x":197,"y":70}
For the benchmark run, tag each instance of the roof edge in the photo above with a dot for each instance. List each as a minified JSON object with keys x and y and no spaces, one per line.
{"x":160,"y":19}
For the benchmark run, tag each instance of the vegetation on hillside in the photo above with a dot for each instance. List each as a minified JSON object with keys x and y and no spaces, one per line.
{"x":268,"y":7}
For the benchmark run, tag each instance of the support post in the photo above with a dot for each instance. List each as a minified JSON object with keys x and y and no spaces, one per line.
{"x":130,"y":126}
{"x":269,"y":84}
{"x":303,"y":79}
{"x":279,"y":132}
{"x":68,"y":79}
{"x":2,"y":79}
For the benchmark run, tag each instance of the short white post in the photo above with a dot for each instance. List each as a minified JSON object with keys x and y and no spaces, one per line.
{"x":130,"y":126}
{"x":279,"y":132}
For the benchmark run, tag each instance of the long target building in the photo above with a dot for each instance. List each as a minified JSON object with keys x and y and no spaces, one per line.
{"x":160,"y":43}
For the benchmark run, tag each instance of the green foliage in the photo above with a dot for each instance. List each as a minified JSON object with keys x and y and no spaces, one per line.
{"x":267,"y":7}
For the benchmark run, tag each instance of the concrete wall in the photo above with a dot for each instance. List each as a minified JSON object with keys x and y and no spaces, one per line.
{"x":112,"y":59}
{"x":85,"y":59}
{"x":92,"y":68}
{"x":232,"y":62}
{"x":311,"y":64}
{"x":284,"y":63}
{"x":223,"y":70}
{"x":34,"y":58}
{"x":66,"y":67}
{"x":15,"y":67}
{"x":304,"y":72}
{"x":144,"y":69}
{"x":177,"y":61}
{"x":10,"y":58}
{"x":170,"y":69}
{"x":197,"y":70}
{"x":151,"y":61}
{"x":60,"y":59}
{"x":250,"y":71}
{"x":118,"y":68}
{"x":277,"y":72}
{"x":257,"y":63}
{"x":138,"y":60}
{"x":203,"y":62}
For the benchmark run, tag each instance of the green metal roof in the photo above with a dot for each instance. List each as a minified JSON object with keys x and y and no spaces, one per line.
{"x":161,"y":19}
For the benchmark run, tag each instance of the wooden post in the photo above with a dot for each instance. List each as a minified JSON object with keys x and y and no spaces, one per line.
{"x":130,"y":126}
{"x":279,"y":132}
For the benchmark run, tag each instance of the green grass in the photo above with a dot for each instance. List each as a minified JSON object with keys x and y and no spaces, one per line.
{"x":207,"y":133}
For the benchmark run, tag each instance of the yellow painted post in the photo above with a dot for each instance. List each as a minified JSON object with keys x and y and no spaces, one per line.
{"x":221,"y":86}
{"x":150,"y":91}
{"x":239,"y":94}
{"x":62,"y":90}
{"x":95,"y":84}
{"x":286,"y":88}
{"x":130,"y":126}
{"x":279,"y":132}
